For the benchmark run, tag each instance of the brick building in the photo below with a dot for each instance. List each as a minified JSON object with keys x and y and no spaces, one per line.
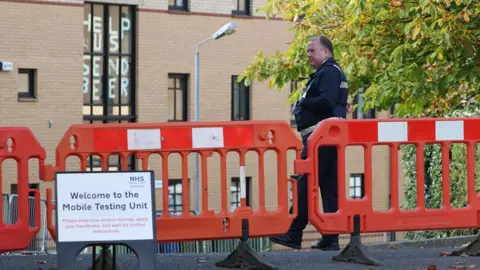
{"x":123,"y":61}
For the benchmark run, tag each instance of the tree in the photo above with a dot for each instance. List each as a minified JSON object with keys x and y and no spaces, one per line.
{"x":422,"y":55}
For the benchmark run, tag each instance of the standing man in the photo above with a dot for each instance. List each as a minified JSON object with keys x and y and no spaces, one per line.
{"x":325,"y":97}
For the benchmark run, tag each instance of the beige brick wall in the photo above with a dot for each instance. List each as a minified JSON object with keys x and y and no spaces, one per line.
{"x":41,"y":37}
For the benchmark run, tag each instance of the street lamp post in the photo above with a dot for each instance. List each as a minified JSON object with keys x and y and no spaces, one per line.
{"x":225,"y":30}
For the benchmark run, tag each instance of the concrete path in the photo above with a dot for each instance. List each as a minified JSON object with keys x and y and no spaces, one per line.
{"x":404,"y":258}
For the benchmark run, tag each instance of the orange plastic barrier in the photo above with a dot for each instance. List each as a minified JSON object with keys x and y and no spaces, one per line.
{"x":204,"y":138}
{"x":368,"y":133}
{"x":19,"y":144}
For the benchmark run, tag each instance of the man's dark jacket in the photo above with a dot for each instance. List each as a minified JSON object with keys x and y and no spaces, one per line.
{"x":326,"y":96}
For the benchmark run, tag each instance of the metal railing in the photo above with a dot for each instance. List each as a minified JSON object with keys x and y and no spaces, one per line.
{"x":10,"y":216}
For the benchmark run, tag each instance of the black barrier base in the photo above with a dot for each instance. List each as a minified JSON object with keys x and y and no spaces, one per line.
{"x":145,"y":251}
{"x":472,"y":249}
{"x":105,"y":260}
{"x":244,"y":255}
{"x":355,"y":251}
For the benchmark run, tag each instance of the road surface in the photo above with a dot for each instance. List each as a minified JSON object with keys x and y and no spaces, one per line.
{"x":402,"y":258}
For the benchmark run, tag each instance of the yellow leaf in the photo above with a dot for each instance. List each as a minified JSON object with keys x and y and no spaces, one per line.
{"x":444,"y":13}
{"x":465,"y":16}
{"x":458,"y":2}
{"x":416,"y":31}
{"x":396,"y":3}
{"x":270,"y":83}
{"x":440,"y":56}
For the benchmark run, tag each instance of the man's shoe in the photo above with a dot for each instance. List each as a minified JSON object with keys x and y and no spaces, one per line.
{"x":324,"y":245}
{"x":285,"y":240}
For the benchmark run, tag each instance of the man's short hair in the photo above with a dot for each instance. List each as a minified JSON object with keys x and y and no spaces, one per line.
{"x":325,"y":42}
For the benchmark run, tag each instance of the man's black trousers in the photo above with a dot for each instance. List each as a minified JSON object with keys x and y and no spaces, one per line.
{"x":327,"y":168}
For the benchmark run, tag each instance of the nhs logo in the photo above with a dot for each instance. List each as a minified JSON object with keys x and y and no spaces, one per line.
{"x":136,"y":181}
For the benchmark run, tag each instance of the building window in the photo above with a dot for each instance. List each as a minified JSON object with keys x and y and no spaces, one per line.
{"x":109,"y":63}
{"x":178,"y":5}
{"x":241,"y":7}
{"x":177,"y":97}
{"x":14,"y":189}
{"x":235,"y":192}
{"x":240,"y":100}
{"x":175,"y":205}
{"x":392,"y":110}
{"x":109,"y":69}
{"x":114,"y":163}
{"x":358,"y":114}
{"x":26,"y":83}
{"x":357,"y":186}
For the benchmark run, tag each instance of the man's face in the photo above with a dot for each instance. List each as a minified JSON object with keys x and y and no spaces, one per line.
{"x":317,"y":53}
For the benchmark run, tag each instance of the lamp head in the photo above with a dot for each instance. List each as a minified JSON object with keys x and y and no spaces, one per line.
{"x":225,"y":30}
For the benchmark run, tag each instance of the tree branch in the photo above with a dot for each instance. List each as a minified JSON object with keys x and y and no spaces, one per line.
{"x":474,"y":95}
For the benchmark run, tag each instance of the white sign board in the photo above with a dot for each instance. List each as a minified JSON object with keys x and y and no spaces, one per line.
{"x":105,"y":206}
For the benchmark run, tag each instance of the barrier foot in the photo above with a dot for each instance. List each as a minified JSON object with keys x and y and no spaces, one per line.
{"x":105,"y":260}
{"x":355,"y":251}
{"x":244,"y":255}
{"x":472,"y":249}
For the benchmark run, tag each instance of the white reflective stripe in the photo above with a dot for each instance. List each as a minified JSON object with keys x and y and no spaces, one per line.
{"x":243,"y":183}
{"x":207,"y":137}
{"x":392,"y":131}
{"x":448,"y":130}
{"x":342,"y":84}
{"x":307,"y":88}
{"x":142,"y":139}
{"x":309,"y":129}
{"x":338,"y":68}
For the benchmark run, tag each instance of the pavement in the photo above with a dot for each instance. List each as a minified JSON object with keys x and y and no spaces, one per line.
{"x":392,"y":256}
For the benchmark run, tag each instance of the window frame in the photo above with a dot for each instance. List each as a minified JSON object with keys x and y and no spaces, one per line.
{"x":174,"y":182}
{"x":175,"y":7}
{"x":236,"y":181}
{"x":181,"y":76}
{"x":241,"y":87}
{"x":354,"y":176}
{"x":131,"y":117}
{"x":92,"y":163}
{"x":246,"y":12}
{"x":32,"y":84}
